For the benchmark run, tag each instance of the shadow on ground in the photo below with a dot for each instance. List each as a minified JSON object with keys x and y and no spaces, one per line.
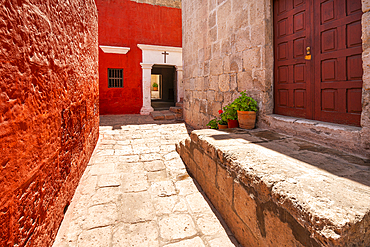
{"x":331,"y":160}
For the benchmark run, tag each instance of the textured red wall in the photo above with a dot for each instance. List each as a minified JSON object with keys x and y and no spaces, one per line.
{"x":127,"y":23}
{"x":48,"y":113}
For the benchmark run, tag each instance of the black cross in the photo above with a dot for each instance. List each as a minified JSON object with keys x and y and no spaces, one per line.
{"x":165,"y":54}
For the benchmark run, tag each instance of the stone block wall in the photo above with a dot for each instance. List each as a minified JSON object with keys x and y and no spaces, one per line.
{"x":272,"y":193}
{"x":49,"y":113}
{"x":365,"y":117}
{"x":227,"y":48}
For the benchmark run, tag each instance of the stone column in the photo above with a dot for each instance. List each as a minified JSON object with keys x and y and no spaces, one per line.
{"x":147,"y":72}
{"x":180,"y":88}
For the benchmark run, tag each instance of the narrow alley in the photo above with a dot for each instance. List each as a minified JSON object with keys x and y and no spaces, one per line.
{"x":137,"y":192}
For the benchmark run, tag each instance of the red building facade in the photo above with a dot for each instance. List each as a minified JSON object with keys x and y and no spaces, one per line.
{"x":123,"y":24}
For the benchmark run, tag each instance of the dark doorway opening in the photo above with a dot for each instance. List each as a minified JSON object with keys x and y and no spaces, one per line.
{"x":163,"y":87}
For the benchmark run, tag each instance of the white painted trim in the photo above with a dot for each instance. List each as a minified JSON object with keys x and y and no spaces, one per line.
{"x":153,"y":55}
{"x":114,"y":49}
{"x":159,"y":48}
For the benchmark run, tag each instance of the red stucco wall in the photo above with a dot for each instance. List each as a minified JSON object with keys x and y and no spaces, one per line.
{"x":48,"y":113}
{"x":126,"y":23}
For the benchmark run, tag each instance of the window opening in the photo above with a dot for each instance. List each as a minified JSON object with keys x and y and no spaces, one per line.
{"x":115,"y":78}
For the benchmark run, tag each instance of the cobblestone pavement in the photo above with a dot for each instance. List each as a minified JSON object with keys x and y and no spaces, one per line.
{"x":137,"y":192}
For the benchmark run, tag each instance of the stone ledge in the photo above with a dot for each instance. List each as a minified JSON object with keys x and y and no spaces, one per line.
{"x":343,"y":137}
{"x":276,"y":190}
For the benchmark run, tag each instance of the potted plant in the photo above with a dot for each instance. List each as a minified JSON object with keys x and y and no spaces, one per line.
{"x":155,"y":86}
{"x":231,"y":116}
{"x":222,"y":123}
{"x":218,"y":124}
{"x":213,"y":124}
{"x":246,"y":108}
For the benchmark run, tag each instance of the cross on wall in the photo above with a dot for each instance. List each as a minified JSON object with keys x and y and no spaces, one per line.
{"x":165,"y":55}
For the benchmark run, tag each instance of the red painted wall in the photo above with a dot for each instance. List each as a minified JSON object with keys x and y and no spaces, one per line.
{"x":126,"y":23}
{"x":49,"y":116}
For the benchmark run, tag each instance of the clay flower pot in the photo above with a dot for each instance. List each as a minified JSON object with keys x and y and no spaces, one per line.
{"x":222,"y":126}
{"x":247,"y":119}
{"x":232,"y":123}
{"x":155,"y":88}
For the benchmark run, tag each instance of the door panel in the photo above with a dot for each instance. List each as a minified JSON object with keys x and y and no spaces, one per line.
{"x":337,"y":61}
{"x":327,"y":87}
{"x":292,"y":29}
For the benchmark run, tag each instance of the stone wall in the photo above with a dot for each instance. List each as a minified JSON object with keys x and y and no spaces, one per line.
{"x":165,"y":3}
{"x":228,"y":48}
{"x":49,"y":113}
{"x":365,"y":117}
{"x":277,"y":190}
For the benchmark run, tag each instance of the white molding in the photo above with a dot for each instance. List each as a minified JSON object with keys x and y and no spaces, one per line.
{"x":114,"y":49}
{"x":159,"y":48}
{"x":154,"y":55}
{"x":146,"y":65}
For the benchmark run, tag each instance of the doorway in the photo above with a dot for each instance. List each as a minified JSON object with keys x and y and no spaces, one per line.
{"x":163,"y":96}
{"x":318,"y":60}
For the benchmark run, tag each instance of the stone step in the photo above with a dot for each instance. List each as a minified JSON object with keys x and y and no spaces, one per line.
{"x":163,"y":115}
{"x":179,"y":104}
{"x":296,"y":189}
{"x":176,"y":109}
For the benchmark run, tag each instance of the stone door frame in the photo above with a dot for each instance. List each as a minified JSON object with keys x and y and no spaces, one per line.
{"x":153,"y":55}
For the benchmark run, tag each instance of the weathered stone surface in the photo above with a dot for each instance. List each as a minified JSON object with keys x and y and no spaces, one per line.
{"x":132,"y":182}
{"x":342,"y":137}
{"x":365,"y":6}
{"x":197,"y":241}
{"x":48,"y":113}
{"x":279,"y":190}
{"x":139,"y":234}
{"x":176,"y":226}
{"x":237,"y":55}
{"x":109,"y":180}
{"x":98,"y":237}
{"x":126,"y":202}
{"x":101,"y":215}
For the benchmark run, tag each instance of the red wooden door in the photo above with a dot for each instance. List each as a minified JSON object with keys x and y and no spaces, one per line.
{"x":292,"y":21}
{"x":338,"y":61}
{"x":328,"y":87}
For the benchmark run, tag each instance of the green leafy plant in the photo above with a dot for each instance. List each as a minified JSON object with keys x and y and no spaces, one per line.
{"x":230,"y":112}
{"x":213,"y":124}
{"x":155,"y":84}
{"x":244,"y":103}
{"x":223,"y":120}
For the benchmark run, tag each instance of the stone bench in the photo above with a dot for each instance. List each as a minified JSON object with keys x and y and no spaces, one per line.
{"x":276,"y":190}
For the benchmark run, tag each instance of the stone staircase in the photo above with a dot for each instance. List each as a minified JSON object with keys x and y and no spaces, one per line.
{"x":174,"y":113}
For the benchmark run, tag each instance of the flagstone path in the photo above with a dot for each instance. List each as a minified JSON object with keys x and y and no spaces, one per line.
{"x":137,"y":192}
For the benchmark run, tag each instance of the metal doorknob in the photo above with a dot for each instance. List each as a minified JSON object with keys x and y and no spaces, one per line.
{"x":308,"y":49}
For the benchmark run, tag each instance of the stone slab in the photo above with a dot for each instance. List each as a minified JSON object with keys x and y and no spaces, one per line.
{"x":316,"y":195}
{"x":139,"y":198}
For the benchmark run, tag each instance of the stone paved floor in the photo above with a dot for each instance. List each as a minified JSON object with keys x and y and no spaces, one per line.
{"x":137,"y":192}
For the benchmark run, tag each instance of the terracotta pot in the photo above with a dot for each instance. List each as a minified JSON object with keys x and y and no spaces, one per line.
{"x":232,"y":123}
{"x":155,"y":88}
{"x":222,"y":126}
{"x":247,"y":119}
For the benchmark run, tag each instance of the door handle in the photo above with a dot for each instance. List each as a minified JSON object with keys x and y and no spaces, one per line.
{"x":308,"y":53}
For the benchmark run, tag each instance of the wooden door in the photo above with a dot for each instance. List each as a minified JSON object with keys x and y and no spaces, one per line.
{"x":292,"y":72}
{"x":327,"y":87}
{"x":338,"y":61}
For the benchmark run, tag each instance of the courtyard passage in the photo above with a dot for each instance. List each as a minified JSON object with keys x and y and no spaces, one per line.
{"x":136,"y":191}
